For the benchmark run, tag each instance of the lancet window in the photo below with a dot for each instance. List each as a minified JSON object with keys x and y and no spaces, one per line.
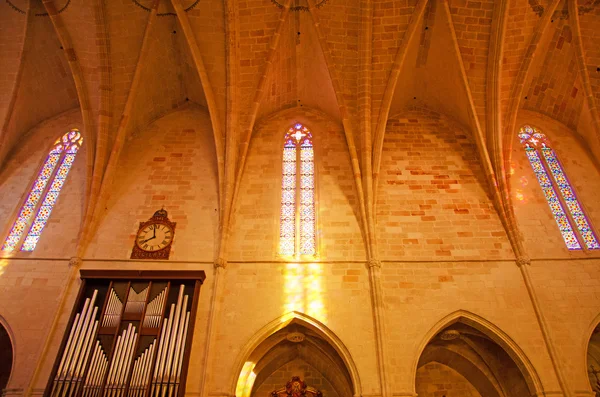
{"x":568,"y":213}
{"x":297,"y":234}
{"x":36,"y":209}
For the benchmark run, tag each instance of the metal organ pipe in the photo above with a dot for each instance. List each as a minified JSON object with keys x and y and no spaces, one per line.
{"x":93,"y":383}
{"x":166,"y":336}
{"x":94,"y":367}
{"x":85,"y":369}
{"x":181,"y":350}
{"x":121,"y":362}
{"x":112,"y":315}
{"x":72,"y":364}
{"x":139,"y":379}
{"x":83,"y":357}
{"x":175,"y":357}
{"x":154,"y":310}
{"x":165,"y":382}
{"x":173,"y":338}
{"x":161,"y":344}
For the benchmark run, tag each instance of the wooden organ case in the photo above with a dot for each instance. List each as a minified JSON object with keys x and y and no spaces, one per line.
{"x":129,"y":335}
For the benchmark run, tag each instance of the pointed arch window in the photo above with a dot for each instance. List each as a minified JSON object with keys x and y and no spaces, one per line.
{"x":297,"y":233}
{"x":574,"y":226}
{"x":27,"y":229}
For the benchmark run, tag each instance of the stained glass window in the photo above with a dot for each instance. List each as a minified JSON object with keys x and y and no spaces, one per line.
{"x":542,"y":158}
{"x":63,"y":151}
{"x":298,"y":205}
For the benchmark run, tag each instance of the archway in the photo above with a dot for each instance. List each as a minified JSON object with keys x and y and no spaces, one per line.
{"x":593,"y":360}
{"x":6,"y":358}
{"x":466,"y":358}
{"x":296,"y":345}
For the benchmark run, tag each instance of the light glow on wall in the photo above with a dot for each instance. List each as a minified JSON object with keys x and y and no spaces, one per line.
{"x":303,"y":289}
{"x":3,"y":265}
{"x":246,"y":380}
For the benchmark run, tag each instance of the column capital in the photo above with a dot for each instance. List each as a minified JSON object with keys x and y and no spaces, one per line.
{"x":523,"y":260}
{"x":75,"y":261}
{"x":220,"y":263}
{"x":374,"y":263}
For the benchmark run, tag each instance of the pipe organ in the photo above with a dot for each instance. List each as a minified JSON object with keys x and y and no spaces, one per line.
{"x":128,"y":336}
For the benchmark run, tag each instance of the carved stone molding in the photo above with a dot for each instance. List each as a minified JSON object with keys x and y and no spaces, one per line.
{"x":523,"y":260}
{"x":537,"y":7}
{"x":374,"y":263}
{"x":75,"y":261}
{"x":220,"y":263}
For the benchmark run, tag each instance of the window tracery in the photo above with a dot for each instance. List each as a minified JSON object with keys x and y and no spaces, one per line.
{"x":63,"y":152}
{"x":572,"y":223}
{"x":297,"y":219}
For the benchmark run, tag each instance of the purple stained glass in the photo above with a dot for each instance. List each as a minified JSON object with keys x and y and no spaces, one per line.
{"x":51,"y":196}
{"x":307,"y":202}
{"x":567,"y":193}
{"x":66,"y":148}
{"x":287,"y":228}
{"x":298,"y":203}
{"x":10,"y":244}
{"x":556,"y":207}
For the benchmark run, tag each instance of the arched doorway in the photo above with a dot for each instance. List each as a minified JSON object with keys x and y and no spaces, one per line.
{"x":467,"y":359}
{"x":6,"y":358}
{"x":296,"y":348}
{"x":593,"y":360}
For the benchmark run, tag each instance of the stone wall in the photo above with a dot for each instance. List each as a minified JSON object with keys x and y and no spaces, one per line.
{"x":445,"y":253}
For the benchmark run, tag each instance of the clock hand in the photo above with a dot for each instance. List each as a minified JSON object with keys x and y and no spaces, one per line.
{"x":154,"y":230}
{"x":146,"y":240}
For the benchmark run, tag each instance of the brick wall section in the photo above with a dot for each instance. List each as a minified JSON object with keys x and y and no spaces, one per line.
{"x":128,"y":23}
{"x":29,"y":294}
{"x":12,"y":38}
{"x":161,"y":87}
{"x":540,"y":232}
{"x":340,"y":24}
{"x":257,"y":23}
{"x":426,"y":292}
{"x":432,"y":201}
{"x":472,"y":24}
{"x":437,"y":380}
{"x":299,"y":71}
{"x":282,"y":85}
{"x":300,"y":368}
{"x":208,"y":23}
{"x":86,"y":38}
{"x":557,"y":90}
{"x":590,"y":35}
{"x":170,"y":164}
{"x":426,"y":33}
{"x":561,"y":286}
{"x":60,"y":234}
{"x":390,"y":21}
{"x":342,"y":288}
{"x":521,"y":23}
{"x":255,"y":228}
{"x":47,"y":88}
{"x":191,"y":85}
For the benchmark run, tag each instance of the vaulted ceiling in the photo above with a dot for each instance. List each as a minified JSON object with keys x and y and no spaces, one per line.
{"x":125,"y":63}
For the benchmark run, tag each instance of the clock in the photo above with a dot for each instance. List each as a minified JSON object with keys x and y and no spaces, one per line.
{"x":154,"y":237}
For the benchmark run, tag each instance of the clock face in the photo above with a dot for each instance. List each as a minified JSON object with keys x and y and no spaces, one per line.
{"x":154,"y":237}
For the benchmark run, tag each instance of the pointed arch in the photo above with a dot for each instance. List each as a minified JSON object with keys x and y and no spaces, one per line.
{"x":242,"y":369}
{"x":586,"y":340}
{"x":7,"y":353}
{"x":494,"y":333}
